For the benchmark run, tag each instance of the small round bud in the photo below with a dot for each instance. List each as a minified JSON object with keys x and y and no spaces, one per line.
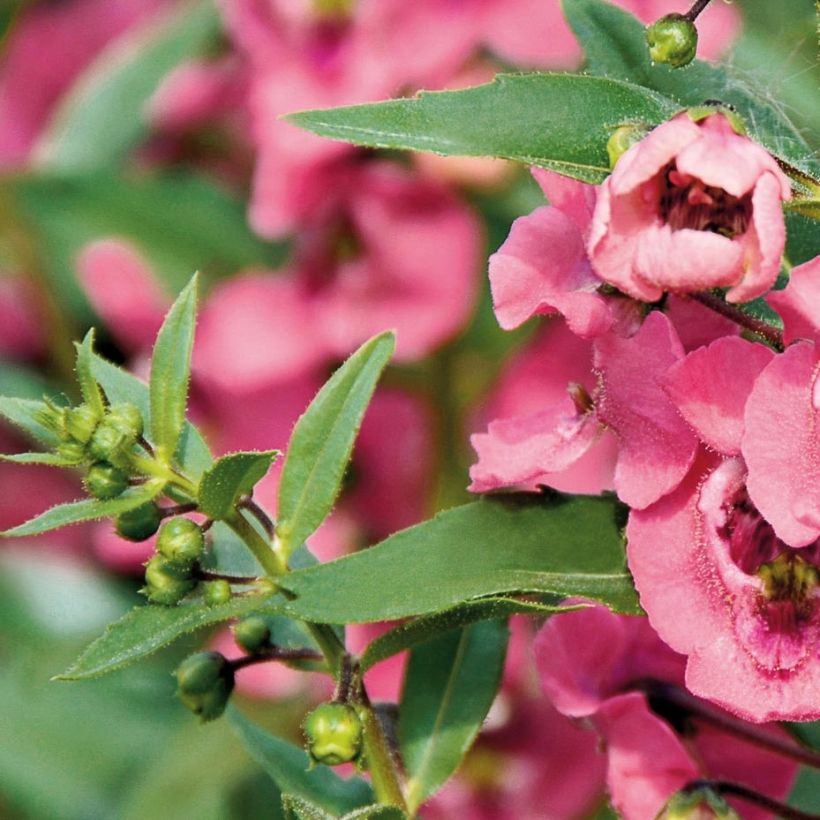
{"x":622,"y":139}
{"x":107,"y":442}
{"x":333,"y":732}
{"x":126,"y":418}
{"x":216,"y":592}
{"x":72,"y":451}
{"x":139,"y":523}
{"x":252,"y":634}
{"x":181,"y":541}
{"x":105,"y":481}
{"x":81,"y":422}
{"x":672,"y":40}
{"x":204,"y":684}
{"x":164,"y":583}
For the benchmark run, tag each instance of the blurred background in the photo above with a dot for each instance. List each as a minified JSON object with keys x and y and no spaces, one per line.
{"x":139,"y":142}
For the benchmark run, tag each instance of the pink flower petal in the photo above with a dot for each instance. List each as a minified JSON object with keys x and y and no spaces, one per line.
{"x":711,"y":385}
{"x":799,"y":303}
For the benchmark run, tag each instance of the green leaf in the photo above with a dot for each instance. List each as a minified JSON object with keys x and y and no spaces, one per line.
{"x":322,"y":441}
{"x":615,"y":46}
{"x":23,"y":413}
{"x":88,"y":384}
{"x":230,"y":477}
{"x":51,"y":459}
{"x":104,"y":116}
{"x":288,"y":767}
{"x":147,"y":628}
{"x":88,"y":509}
{"x":177,"y":223}
{"x":298,"y":809}
{"x":450,"y":685}
{"x":557,"y":121}
{"x":421,"y":630}
{"x":376,"y":812}
{"x":193,"y":453}
{"x":502,"y":544}
{"x":171,"y":372}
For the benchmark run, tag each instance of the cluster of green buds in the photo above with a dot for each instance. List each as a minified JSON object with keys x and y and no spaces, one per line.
{"x":172,"y":572}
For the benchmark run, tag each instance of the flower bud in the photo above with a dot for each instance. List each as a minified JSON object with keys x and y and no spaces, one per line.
{"x":622,"y":139}
{"x":672,"y":40}
{"x":697,"y":804}
{"x":164,"y":583}
{"x":333,"y":732}
{"x":139,"y":523}
{"x":216,"y":592}
{"x":105,"y":481}
{"x":252,"y":634}
{"x":204,"y":684}
{"x":72,"y":450}
{"x":80,"y":423}
{"x":107,"y":443}
{"x":53,"y":417}
{"x":127,"y":419}
{"x":181,"y":541}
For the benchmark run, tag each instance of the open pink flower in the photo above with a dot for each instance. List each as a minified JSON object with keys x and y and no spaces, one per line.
{"x":612,"y":672}
{"x":692,"y":206}
{"x":621,"y":402}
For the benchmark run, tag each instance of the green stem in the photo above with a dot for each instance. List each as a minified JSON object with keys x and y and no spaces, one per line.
{"x":380,"y":764}
{"x":271,"y":562}
{"x":155,"y":469}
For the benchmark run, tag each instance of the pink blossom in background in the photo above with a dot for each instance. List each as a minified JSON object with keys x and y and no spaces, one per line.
{"x":22,"y":336}
{"x":33,"y":78}
{"x":596,"y":666}
{"x":692,"y":206}
{"x":627,"y":401}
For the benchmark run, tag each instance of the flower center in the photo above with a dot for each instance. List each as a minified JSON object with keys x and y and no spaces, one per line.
{"x":687,"y":203}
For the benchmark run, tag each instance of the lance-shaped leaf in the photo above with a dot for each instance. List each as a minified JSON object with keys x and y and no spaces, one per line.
{"x":105,"y":114}
{"x":88,"y":509}
{"x":322,"y":441}
{"x":192,"y":452}
{"x":289,"y":768}
{"x":296,"y":808}
{"x":171,"y":372}
{"x":450,"y":685}
{"x":557,"y":121}
{"x":231,"y":477}
{"x":145,"y":629}
{"x":24,"y":413}
{"x":498,"y":545}
{"x":614,"y":42}
{"x":50,"y":459}
{"x":419,"y":631}
{"x":88,"y":384}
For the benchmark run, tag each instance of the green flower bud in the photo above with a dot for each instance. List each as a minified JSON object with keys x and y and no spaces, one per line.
{"x":72,"y":450}
{"x":623,"y":138}
{"x":216,"y":592}
{"x":164,"y":583}
{"x":252,"y":634}
{"x":104,"y":480}
{"x":204,"y":684}
{"x":698,"y":804}
{"x":81,"y":422}
{"x":108,"y":443}
{"x":139,"y":523}
{"x":181,"y":541}
{"x":127,"y":419}
{"x":53,"y":417}
{"x":333,"y":732}
{"x":672,"y":40}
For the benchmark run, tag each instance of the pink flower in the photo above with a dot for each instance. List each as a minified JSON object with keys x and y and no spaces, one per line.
{"x":21,"y":319}
{"x":622,"y":399}
{"x":692,"y":206}
{"x":34,"y":78}
{"x":612,"y":672}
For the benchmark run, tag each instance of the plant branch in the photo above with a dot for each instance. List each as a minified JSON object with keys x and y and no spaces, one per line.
{"x":757,"y":326}
{"x":696,"y":9}
{"x":247,"y":503}
{"x":271,"y":561}
{"x":276,"y":653}
{"x":724,"y":788}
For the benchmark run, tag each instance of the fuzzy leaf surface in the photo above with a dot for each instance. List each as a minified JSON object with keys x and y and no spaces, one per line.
{"x":230,"y":477}
{"x":87,"y":509}
{"x":556,"y":121}
{"x":23,"y":413}
{"x":287,"y":765}
{"x":88,"y":384}
{"x":322,"y":441}
{"x":450,"y":685}
{"x":517,"y":543}
{"x":149,"y":627}
{"x":171,"y":371}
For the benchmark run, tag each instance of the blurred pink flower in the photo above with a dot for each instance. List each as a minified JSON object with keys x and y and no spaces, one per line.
{"x":602,"y":668}
{"x":34,"y":77}
{"x":626,"y":401}
{"x":692,"y":206}
{"x":22,"y":322}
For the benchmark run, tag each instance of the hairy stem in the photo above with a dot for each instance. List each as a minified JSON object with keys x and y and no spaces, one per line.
{"x":696,"y":9}
{"x":757,"y":326}
{"x":276,"y":653}
{"x":271,"y":561}
{"x":725,"y":788}
{"x":247,"y":503}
